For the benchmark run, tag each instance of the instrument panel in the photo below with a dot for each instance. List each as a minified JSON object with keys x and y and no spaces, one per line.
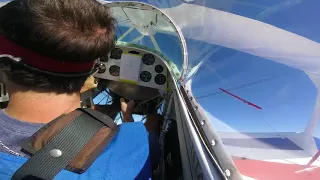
{"x":135,"y":66}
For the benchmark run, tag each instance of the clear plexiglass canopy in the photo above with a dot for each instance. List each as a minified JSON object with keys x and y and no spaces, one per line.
{"x":253,"y":67}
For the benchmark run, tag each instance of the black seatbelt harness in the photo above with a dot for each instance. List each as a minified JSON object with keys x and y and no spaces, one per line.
{"x":60,"y":148}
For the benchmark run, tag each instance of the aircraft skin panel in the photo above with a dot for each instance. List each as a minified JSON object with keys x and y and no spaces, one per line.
{"x":262,"y":143}
{"x":247,"y":178}
{"x":276,"y":171}
{"x":220,"y":152}
{"x":256,"y":161}
{"x":279,"y":140}
{"x":209,"y":170}
{"x":266,"y":154}
{"x":299,"y":161}
{"x":187,"y":171}
{"x":317,"y":141}
{"x":243,"y":135}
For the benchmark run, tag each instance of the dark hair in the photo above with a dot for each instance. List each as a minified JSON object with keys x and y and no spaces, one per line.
{"x":64,"y":30}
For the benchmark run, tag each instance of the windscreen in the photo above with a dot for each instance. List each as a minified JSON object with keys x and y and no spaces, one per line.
{"x":146,"y":27}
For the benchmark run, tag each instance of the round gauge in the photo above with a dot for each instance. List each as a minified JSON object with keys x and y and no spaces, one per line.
{"x":160,"y":79}
{"x":104,"y":59}
{"x":116,"y":53}
{"x":102,"y":68}
{"x":148,"y":59}
{"x":114,"y":70}
{"x":158,"y":69}
{"x":145,"y":76}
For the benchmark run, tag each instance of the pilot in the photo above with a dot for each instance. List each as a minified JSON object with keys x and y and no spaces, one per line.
{"x":42,"y":44}
{"x":152,"y":124}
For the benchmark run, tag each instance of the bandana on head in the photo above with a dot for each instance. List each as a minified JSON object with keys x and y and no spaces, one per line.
{"x":20,"y":54}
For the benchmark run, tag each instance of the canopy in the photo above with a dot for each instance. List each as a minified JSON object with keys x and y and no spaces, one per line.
{"x":253,"y":71}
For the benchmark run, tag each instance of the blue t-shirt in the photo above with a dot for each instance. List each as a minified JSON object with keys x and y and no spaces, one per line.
{"x":13,"y":132}
{"x":126,"y":157}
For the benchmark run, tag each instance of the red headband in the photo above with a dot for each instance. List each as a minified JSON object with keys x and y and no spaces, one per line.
{"x":40,"y":62}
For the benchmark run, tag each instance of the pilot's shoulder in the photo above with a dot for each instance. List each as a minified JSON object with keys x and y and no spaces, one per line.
{"x":134,"y":125}
{"x":132,"y":132}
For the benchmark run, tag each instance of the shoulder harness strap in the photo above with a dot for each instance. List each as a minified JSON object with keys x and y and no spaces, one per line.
{"x":72,"y":141}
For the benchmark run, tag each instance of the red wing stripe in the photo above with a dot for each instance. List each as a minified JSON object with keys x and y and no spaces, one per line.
{"x":245,"y":101}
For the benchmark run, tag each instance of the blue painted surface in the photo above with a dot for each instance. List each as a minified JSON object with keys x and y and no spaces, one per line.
{"x":317,"y":140}
{"x":262,"y":143}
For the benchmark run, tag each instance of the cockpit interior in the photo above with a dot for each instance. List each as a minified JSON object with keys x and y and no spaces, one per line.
{"x":140,"y":74}
{"x":136,"y":74}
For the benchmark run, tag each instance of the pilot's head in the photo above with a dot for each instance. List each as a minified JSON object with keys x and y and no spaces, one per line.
{"x":53,"y":38}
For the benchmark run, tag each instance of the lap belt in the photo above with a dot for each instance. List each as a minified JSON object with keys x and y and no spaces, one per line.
{"x":72,"y":141}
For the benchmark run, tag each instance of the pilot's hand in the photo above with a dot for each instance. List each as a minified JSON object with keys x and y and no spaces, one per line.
{"x":127,"y":109}
{"x":88,"y":84}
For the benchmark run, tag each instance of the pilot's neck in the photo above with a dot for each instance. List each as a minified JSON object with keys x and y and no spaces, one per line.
{"x":39,"y":107}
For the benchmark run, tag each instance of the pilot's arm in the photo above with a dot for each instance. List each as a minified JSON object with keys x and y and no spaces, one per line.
{"x":153,"y":120}
{"x":127,"y":110}
{"x":152,"y":125}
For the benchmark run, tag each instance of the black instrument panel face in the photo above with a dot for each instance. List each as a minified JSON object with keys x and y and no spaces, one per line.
{"x":104,"y":58}
{"x":145,"y":76}
{"x":148,"y":59}
{"x":160,"y":79}
{"x":149,"y":72}
{"x":116,"y":53}
{"x":114,"y":70}
{"x":158,"y":68}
